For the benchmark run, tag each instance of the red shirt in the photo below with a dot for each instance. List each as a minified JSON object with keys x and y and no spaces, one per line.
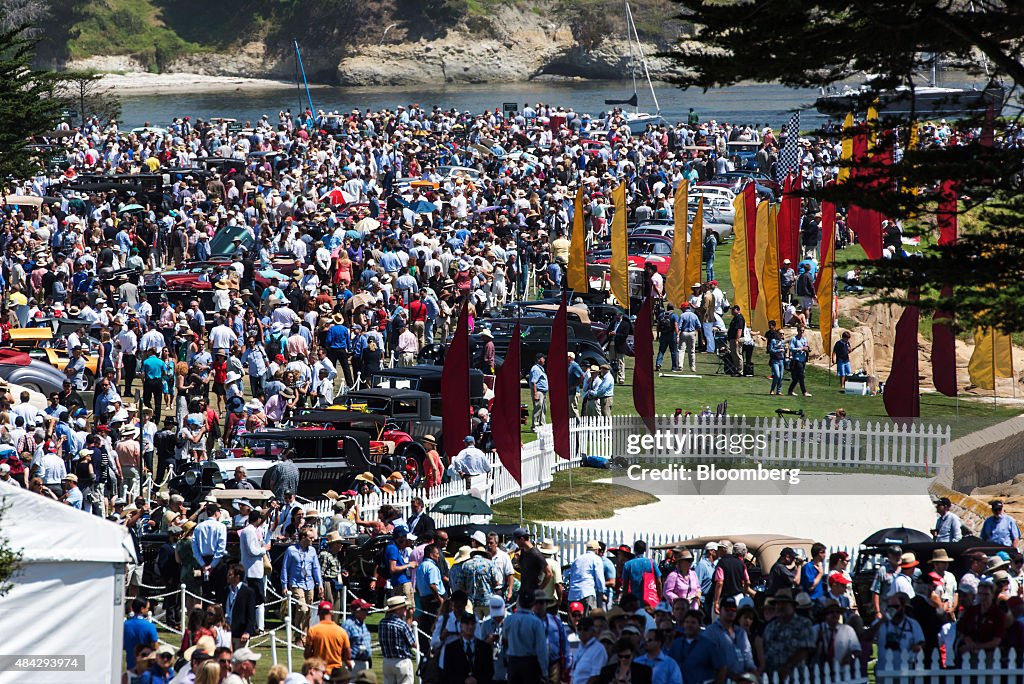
{"x":417,"y":311}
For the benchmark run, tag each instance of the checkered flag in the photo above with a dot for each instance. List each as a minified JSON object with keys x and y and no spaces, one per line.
{"x":789,"y":156}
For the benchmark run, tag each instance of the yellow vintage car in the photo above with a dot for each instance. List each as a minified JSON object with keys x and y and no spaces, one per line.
{"x":40,"y":344}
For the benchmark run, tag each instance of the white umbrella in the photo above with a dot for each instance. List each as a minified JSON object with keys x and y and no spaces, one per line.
{"x":367,"y":225}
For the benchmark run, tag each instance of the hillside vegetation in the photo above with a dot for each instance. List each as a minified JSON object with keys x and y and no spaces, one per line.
{"x":156,"y":32}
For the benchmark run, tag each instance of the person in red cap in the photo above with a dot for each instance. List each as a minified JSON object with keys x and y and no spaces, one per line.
{"x":359,"y":634}
{"x":328,"y":641}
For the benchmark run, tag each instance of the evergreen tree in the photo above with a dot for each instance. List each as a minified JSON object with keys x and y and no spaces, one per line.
{"x":25,"y":110}
{"x":812,"y":43}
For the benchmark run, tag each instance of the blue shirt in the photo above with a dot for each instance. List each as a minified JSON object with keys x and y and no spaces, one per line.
{"x":539,"y":377}
{"x":664,"y":670}
{"x":153,"y":368}
{"x":338,"y":337}
{"x":586,"y":576}
{"x":301,"y":569}
{"x":689,"y":322}
{"x":705,"y":570}
{"x":633,"y":574}
{"x":210,"y":539}
{"x":75,"y":498}
{"x":575,"y":377}
{"x":524,"y":635}
{"x":359,"y":637}
{"x":739,"y":654}
{"x":428,"y":574}
{"x":698,"y":659}
{"x":1001,"y":529}
{"x":807,"y":576}
{"x":558,"y":639}
{"x":137,"y":630}
{"x":798,"y":348}
{"x":393,"y":553}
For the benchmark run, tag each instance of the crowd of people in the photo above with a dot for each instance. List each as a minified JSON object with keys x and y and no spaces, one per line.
{"x":492,"y":611}
{"x":358,"y":240}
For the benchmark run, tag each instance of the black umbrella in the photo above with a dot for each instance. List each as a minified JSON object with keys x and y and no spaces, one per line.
{"x":462,"y":504}
{"x":896,"y":535}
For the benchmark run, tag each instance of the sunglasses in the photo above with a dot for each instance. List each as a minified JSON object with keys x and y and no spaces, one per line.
{"x":625,"y":656}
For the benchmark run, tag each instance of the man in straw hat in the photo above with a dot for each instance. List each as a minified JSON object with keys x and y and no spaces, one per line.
{"x":789,"y":638}
{"x":397,"y":640}
{"x":587,"y":577}
{"x":553,"y":588}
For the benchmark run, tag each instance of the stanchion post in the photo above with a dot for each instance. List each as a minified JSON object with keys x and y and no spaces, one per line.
{"x":183,"y":616}
{"x":288,"y":636}
{"x":416,"y":646}
{"x":344,"y":602}
{"x":273,"y":647}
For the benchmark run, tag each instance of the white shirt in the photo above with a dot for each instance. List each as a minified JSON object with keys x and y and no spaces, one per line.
{"x":154,"y":339}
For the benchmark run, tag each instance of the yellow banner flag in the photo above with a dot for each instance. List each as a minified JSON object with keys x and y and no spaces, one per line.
{"x":847,"y":152}
{"x":675,"y":278}
{"x":826,"y":287}
{"x":694,"y":248}
{"x":872,"y":121}
{"x":738,"y":267}
{"x":992,"y":358}
{"x":768,"y":279}
{"x":577,"y":271}
{"x":620,"y":259}
{"x":760,"y":318}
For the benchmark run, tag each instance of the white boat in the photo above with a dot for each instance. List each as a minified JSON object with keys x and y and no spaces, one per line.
{"x":636,"y":120}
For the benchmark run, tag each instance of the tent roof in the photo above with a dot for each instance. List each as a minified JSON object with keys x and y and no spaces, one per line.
{"x":47,"y":531}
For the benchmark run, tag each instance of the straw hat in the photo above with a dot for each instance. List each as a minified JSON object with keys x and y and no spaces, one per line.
{"x":548,"y":547}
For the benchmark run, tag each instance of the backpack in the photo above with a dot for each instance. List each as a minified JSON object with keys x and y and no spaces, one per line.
{"x":666,"y":326}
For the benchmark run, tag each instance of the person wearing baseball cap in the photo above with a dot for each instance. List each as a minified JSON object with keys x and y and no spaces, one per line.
{"x":328,"y":641}
{"x":360,"y":641}
{"x":533,"y":566}
{"x":999,"y":528}
{"x":948,"y":526}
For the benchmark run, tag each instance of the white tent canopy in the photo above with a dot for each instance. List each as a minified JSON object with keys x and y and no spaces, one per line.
{"x":67,"y":597}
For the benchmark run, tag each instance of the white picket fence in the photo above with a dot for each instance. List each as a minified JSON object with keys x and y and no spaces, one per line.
{"x":916,"y":449}
{"x":986,"y":667}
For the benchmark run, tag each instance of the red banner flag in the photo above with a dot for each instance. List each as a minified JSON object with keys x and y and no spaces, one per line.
{"x":455,"y":381}
{"x":902,"y":393}
{"x":643,"y":368}
{"x":867,"y":223}
{"x":943,"y":338}
{"x":946,"y":217}
{"x":558,"y":381}
{"x":789,"y":222}
{"x":750,"y":202}
{"x":505,"y":426}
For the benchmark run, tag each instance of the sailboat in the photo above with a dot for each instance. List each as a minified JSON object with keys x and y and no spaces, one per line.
{"x":637,"y":120}
{"x":929,"y":100}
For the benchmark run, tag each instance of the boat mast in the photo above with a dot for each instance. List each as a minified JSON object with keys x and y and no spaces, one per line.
{"x":631,"y":26}
{"x":632,"y":58}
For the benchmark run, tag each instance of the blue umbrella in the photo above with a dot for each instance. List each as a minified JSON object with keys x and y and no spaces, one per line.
{"x":422,"y":207}
{"x":484,"y":210}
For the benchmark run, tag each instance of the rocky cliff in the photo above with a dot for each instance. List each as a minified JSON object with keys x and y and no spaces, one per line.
{"x":516,"y":44}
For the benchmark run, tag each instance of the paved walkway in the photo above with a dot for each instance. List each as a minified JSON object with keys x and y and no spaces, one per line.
{"x":875,"y":502}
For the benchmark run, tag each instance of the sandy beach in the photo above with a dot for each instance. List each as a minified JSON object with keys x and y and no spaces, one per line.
{"x":143,"y":83}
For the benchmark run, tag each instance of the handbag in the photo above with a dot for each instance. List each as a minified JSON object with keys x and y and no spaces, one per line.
{"x":649,"y":586}
{"x":267,"y":565}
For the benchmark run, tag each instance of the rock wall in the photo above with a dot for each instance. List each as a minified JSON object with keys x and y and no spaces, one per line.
{"x":519,"y":46}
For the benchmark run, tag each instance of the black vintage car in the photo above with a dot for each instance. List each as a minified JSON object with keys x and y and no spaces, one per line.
{"x":870,"y":558}
{"x":427,"y":378}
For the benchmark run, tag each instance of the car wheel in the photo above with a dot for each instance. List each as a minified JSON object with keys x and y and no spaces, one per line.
{"x":90,"y":380}
{"x":31,"y":386}
{"x":410,"y":457}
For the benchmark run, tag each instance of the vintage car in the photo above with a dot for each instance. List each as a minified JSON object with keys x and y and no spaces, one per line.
{"x":409,"y":410}
{"x":427,"y":378}
{"x":18,"y":368}
{"x":535,"y":336}
{"x":873,"y":555}
{"x":764,"y":551}
{"x":41,"y":345}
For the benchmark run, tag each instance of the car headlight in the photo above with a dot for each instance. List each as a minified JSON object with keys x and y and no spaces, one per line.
{"x":191,"y":477}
